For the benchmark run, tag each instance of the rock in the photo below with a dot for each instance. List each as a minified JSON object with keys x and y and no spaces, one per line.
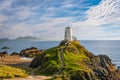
{"x":14,"y":54}
{"x":3,"y":54}
{"x":81,"y":75}
{"x":5,"y":47}
{"x":35,"y":62}
{"x":33,"y":48}
{"x":30,"y":52}
{"x":118,"y":67}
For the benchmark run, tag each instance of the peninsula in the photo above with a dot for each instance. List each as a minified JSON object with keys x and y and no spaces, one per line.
{"x":71,"y":61}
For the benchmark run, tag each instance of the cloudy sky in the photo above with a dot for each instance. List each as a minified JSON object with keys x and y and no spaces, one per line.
{"x":47,"y":19}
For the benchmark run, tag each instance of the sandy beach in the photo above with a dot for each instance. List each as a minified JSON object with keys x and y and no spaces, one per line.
{"x":16,"y":61}
{"x":31,"y":78}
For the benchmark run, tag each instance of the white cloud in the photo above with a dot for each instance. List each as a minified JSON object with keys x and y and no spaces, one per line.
{"x":16,"y":30}
{"x":43,"y":18}
{"x":6,"y":4}
{"x":24,"y":14}
{"x":106,"y":13}
{"x":53,"y":29}
{"x":3,"y":18}
{"x":67,"y":5}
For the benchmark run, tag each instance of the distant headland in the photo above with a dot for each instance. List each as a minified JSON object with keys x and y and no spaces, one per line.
{"x":21,"y":38}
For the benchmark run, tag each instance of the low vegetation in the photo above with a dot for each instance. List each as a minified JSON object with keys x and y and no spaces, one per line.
{"x":11,"y":72}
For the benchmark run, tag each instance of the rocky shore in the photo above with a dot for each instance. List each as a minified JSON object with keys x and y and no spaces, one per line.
{"x":79,"y":63}
{"x":67,"y":61}
{"x":29,"y":52}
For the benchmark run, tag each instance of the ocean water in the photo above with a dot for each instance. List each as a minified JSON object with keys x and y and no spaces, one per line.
{"x":107,"y":47}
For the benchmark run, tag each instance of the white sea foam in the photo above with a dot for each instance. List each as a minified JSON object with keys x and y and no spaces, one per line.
{"x":25,"y":58}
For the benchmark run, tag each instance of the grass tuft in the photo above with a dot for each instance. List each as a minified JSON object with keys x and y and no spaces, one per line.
{"x":11,"y":72}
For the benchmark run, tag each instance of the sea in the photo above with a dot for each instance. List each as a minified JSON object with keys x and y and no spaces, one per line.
{"x":110,"y":48}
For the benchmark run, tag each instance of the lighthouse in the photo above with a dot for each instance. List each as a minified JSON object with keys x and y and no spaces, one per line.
{"x":68,"y":34}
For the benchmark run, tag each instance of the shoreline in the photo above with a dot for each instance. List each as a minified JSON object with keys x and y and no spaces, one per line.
{"x":23,"y":63}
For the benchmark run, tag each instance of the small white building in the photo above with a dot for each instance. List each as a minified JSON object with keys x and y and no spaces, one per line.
{"x":68,"y":34}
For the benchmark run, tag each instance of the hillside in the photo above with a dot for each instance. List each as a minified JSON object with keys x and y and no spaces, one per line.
{"x":71,"y":61}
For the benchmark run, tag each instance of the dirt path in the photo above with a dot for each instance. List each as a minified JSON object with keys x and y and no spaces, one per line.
{"x":31,"y":78}
{"x":62,"y":61}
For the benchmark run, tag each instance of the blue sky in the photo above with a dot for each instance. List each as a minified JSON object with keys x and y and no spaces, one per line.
{"x":47,"y":19}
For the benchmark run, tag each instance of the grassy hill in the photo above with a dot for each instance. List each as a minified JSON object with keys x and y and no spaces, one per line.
{"x":71,"y":61}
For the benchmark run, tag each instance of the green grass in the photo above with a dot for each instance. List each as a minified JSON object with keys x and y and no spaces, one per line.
{"x":11,"y":72}
{"x":51,"y":62}
{"x":75,"y":61}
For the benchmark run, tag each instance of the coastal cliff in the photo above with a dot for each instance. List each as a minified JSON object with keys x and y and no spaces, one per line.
{"x":71,"y":61}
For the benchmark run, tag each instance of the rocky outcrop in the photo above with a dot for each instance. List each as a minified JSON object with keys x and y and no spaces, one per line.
{"x":30,"y":52}
{"x":3,"y":54}
{"x":78,"y":63}
{"x":103,"y":68}
{"x":5,"y":47}
{"x":81,"y":75}
{"x":14,"y":54}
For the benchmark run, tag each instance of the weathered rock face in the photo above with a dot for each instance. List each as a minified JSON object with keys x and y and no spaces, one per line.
{"x":103,"y":68}
{"x":79,"y":63}
{"x":30,"y":52}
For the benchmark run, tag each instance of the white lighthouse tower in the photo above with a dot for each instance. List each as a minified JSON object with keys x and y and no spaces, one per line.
{"x":68,"y":34}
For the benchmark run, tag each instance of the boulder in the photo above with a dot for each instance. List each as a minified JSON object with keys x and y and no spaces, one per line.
{"x":3,"y":54}
{"x":14,"y":54}
{"x":5,"y":47}
{"x":30,"y":52}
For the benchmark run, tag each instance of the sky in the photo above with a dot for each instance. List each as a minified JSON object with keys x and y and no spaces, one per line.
{"x":47,"y":19}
